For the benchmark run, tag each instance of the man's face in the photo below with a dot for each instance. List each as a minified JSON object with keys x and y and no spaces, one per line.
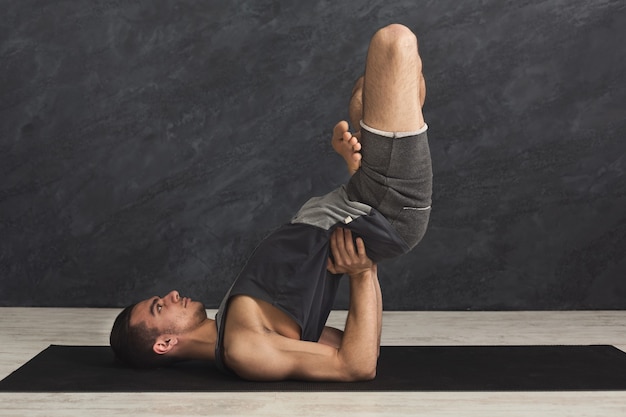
{"x":171,"y":314}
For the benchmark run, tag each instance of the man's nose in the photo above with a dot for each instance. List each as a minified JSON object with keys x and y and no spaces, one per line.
{"x":174,"y":296}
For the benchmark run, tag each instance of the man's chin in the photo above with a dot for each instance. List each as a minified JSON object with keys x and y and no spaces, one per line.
{"x":198,"y":307}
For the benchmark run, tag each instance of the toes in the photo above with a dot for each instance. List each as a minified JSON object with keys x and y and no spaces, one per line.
{"x":340,"y":129}
{"x":354,"y":142}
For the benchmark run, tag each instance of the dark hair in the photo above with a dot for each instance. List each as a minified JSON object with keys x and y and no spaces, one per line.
{"x":133,"y":344}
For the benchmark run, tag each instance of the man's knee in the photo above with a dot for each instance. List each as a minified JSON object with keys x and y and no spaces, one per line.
{"x":358,"y":86}
{"x":395,"y":37}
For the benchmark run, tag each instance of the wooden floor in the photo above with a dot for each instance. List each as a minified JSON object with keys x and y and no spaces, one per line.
{"x":26,"y":331}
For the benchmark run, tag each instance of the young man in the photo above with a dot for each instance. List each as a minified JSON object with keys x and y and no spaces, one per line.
{"x":271,"y":323}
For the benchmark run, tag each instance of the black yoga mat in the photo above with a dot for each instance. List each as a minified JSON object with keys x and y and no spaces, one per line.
{"x":400,"y":368}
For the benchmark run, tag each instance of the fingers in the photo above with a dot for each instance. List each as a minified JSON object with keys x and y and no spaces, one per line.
{"x":348,"y":243}
{"x":330,"y":266}
{"x":360,"y":247}
{"x":348,"y":256}
{"x":338,"y":246}
{"x":333,"y":266}
{"x":345,"y":252}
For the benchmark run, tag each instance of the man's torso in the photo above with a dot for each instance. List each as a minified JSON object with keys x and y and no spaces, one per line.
{"x":285,"y":290}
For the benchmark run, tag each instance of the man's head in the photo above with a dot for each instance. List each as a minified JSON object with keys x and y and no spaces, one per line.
{"x":147,"y":334}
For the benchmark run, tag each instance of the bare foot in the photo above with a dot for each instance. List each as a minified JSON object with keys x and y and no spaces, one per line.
{"x":347,"y":145}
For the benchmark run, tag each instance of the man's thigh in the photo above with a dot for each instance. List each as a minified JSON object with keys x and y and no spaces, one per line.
{"x":392,"y":81}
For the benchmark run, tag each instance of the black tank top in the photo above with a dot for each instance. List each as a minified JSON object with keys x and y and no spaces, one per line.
{"x":288,"y":269}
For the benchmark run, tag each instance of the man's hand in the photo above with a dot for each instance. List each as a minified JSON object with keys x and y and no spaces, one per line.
{"x":348,"y":259}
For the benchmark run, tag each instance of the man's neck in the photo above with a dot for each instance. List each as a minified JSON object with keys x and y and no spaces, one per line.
{"x":200,"y":343}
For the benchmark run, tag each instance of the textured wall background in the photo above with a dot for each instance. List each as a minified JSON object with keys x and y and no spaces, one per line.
{"x":147,"y":145}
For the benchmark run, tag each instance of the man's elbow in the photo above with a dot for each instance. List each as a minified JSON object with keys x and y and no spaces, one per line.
{"x":364,"y":375}
{"x":362,"y":371}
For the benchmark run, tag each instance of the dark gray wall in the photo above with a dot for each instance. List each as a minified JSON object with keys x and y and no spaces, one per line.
{"x":150,"y":145}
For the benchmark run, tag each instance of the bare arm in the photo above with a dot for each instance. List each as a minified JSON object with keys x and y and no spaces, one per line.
{"x":379,"y":310}
{"x":331,"y":337}
{"x":361,"y":338}
{"x":271,"y":356}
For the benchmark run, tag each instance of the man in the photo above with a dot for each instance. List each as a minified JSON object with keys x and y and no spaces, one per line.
{"x":271,"y":323}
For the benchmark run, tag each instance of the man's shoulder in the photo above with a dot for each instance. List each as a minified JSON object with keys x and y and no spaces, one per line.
{"x":254,"y":335}
{"x":247,"y":315}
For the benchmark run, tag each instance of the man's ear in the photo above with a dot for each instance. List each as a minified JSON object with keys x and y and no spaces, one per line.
{"x":164,"y":344}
